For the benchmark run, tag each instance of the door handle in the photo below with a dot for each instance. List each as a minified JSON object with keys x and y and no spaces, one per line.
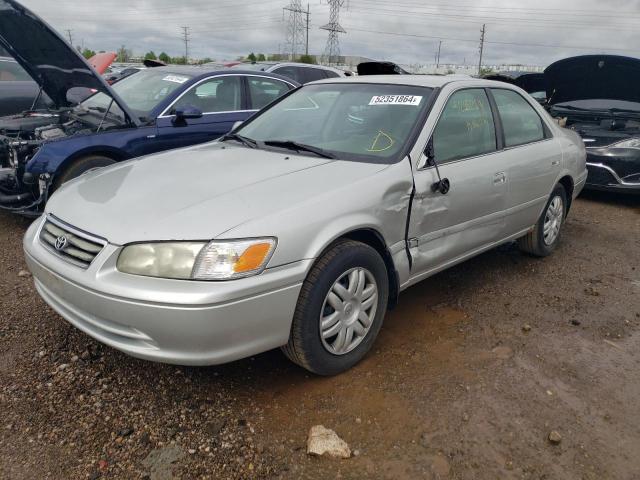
{"x":499,"y":178}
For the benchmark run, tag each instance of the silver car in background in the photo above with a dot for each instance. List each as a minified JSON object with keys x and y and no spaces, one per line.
{"x":300,"y":228}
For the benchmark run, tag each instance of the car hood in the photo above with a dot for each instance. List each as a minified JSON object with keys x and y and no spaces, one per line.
{"x":54,"y":64}
{"x":197,"y":193}
{"x":590,"y":77}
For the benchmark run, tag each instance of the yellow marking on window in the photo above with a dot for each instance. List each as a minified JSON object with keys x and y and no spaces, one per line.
{"x":375,"y":147}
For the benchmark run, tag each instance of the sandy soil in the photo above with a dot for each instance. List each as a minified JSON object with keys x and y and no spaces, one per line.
{"x":469,"y":376}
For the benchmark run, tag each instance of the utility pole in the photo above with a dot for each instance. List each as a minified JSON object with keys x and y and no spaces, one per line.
{"x":332,"y":50}
{"x":295,"y":27}
{"x":185,"y":38}
{"x":70,"y":36}
{"x":482,"y":35}
{"x":438,"y":58}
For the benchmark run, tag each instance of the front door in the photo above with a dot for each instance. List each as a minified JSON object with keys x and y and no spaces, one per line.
{"x":445,"y":228}
{"x":222,"y":102}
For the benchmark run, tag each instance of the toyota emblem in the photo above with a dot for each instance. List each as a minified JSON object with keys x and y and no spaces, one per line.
{"x":61,"y":243}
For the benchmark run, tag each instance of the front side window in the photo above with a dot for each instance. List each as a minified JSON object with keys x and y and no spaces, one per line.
{"x":263,"y":91}
{"x":360,"y":122}
{"x":520,"y":122}
{"x":220,"y":94}
{"x":466,"y":127}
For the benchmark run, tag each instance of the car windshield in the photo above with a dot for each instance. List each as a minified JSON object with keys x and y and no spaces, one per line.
{"x":141,"y":92}
{"x":356,"y":121}
{"x":11,"y":72}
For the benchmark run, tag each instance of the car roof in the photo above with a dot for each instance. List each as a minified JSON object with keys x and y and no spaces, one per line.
{"x":432,"y":81}
{"x":198,"y":71}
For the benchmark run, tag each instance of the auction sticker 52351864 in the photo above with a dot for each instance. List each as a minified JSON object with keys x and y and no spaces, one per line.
{"x":396,"y":100}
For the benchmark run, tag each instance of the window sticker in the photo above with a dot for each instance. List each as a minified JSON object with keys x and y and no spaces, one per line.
{"x":413,"y":100}
{"x":175,"y":79}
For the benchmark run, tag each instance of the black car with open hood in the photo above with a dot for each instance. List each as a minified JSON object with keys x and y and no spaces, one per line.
{"x":599,"y":95}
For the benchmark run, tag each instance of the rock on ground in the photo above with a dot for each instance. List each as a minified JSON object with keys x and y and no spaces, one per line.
{"x":323,"y":441}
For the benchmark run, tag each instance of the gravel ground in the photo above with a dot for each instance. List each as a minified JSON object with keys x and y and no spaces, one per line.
{"x":470,"y":376}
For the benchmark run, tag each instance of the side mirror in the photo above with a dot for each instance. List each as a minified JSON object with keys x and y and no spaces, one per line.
{"x":236,"y":125}
{"x":443,"y":185}
{"x":187,"y":112}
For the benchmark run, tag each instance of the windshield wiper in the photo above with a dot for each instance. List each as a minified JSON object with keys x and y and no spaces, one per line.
{"x":578,"y":109}
{"x":299,"y":147}
{"x":246,"y":141}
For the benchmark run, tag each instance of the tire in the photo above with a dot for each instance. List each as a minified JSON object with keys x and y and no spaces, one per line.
{"x":535,"y":242}
{"x":345,"y":261}
{"x":80,"y":166}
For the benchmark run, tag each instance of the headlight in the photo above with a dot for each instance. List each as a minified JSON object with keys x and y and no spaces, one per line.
{"x":631,"y":143}
{"x":217,"y":260}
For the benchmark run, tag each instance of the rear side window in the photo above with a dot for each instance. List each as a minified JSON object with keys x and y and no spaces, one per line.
{"x":11,"y":72}
{"x":331,"y":74}
{"x":520,"y":122}
{"x":312,"y":74}
{"x":263,"y":91}
{"x":466,"y":127}
{"x":221,"y":94}
{"x":290,"y":72}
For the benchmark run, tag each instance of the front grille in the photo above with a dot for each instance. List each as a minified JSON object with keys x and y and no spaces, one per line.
{"x":74,"y":246}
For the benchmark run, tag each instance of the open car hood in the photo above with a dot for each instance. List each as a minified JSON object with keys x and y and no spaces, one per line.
{"x":530,"y":82}
{"x":47,"y":57}
{"x":380,"y":68}
{"x":101,"y":61}
{"x":591,"y":77}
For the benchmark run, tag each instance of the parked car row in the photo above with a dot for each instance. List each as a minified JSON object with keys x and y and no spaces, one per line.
{"x":598,"y":97}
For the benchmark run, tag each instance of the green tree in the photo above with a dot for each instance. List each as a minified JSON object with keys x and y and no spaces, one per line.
{"x":252,"y":57}
{"x":485,"y":71}
{"x":307,"y":59}
{"x":261,"y":57}
{"x":124,"y":54}
{"x":150,"y":56}
{"x":163,"y":57}
{"x":179,"y":60}
{"x":87,"y":53}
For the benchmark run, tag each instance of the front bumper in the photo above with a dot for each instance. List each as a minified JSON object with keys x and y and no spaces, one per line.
{"x":171,"y":321}
{"x":603,"y":177}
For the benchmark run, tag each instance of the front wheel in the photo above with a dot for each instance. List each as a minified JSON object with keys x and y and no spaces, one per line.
{"x":80,"y":166}
{"x":545,"y":236}
{"x":340,"y":309}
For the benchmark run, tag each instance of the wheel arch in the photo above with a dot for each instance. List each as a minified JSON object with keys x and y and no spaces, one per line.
{"x":104,"y":151}
{"x":569,"y":186}
{"x":374,"y":239}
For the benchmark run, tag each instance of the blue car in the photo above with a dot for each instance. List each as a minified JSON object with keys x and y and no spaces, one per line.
{"x":153,"y":110}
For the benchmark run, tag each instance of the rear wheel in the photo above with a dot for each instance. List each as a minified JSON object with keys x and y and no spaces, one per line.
{"x":80,"y":166}
{"x":545,"y":236}
{"x":340,"y":309}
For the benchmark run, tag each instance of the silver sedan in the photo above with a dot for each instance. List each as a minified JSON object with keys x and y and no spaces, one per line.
{"x":300,"y":228}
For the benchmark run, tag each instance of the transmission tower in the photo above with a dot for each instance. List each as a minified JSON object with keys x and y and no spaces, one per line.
{"x":295,"y":39}
{"x":186,"y":38}
{"x":332,"y":50}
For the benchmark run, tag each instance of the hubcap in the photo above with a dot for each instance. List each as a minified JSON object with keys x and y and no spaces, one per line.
{"x":348,"y":311}
{"x":553,"y":220}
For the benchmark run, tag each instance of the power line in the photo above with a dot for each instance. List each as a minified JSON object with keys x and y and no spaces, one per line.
{"x":69,"y":33}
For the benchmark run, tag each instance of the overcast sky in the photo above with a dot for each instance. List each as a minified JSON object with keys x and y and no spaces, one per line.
{"x":406,"y":31}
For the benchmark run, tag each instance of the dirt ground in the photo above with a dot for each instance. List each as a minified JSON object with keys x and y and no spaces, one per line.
{"x":469,"y":376}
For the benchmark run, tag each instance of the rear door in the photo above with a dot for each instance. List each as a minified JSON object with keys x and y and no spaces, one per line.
{"x":446,"y":228}
{"x":533,"y":158}
{"x":222,"y":101}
